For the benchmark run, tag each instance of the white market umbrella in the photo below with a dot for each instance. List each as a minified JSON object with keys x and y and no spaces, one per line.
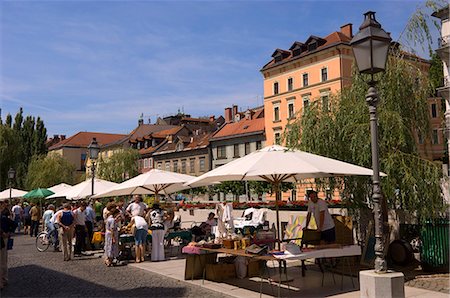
{"x":59,"y":187}
{"x":84,"y":189}
{"x":153,"y":182}
{"x":276,"y":164}
{"x":15,"y":193}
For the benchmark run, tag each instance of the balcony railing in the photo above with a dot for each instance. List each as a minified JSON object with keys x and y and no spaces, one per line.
{"x":444,"y":41}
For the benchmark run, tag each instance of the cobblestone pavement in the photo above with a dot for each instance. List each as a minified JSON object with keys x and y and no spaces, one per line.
{"x":434,"y":282}
{"x":45,"y":274}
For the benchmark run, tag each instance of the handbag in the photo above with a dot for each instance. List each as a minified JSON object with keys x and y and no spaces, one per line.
{"x":10,"y":244}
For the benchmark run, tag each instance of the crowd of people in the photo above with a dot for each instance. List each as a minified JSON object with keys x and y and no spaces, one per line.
{"x":79,"y":220}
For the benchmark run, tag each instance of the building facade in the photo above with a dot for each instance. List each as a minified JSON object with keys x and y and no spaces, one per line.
{"x":307,"y":72}
{"x":75,"y":148}
{"x":242,"y":133}
{"x":444,"y":53}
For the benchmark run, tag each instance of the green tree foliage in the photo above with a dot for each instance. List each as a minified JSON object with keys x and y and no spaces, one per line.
{"x":9,"y":142}
{"x":46,"y":171}
{"x":120,"y":166}
{"x":236,"y":188}
{"x":436,"y":73}
{"x":343,"y":133}
{"x":26,"y":138}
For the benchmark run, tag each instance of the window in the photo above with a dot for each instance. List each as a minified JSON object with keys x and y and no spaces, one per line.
{"x":183,"y":166}
{"x":146,"y":163}
{"x":305,"y":80}
{"x":290,"y":84}
{"x":247,"y":148}
{"x":420,"y":137}
{"x":277,"y":138}
{"x":435,"y":137}
{"x":325,"y":103}
{"x":275,"y":88}
{"x":167,"y":166}
{"x":192,"y":165}
{"x":258,"y":145}
{"x":305,"y":103}
{"x":159,"y":165}
{"x":433,"y":110}
{"x":236,"y":150}
{"x":221,"y":152}
{"x":202,"y":164}
{"x":324,"y":74}
{"x":140,"y":164}
{"x":83,"y":162}
{"x":291,"y":113}
{"x":175,"y":166}
{"x":276,"y":113}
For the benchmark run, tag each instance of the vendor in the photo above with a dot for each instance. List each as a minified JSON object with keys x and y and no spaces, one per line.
{"x":212,"y":221}
{"x":324,"y":221}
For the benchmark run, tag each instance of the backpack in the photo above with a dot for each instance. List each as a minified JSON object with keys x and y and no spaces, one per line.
{"x":66,"y":218}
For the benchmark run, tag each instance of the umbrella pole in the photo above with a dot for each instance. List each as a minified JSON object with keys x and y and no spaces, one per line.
{"x":278,"y":199}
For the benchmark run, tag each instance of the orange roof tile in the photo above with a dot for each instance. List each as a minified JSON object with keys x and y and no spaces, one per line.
{"x":83,"y":139}
{"x":166,"y":132}
{"x":240,"y":128}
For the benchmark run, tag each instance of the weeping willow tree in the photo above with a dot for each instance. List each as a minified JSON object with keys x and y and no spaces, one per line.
{"x":120,"y":166}
{"x":342,"y":131}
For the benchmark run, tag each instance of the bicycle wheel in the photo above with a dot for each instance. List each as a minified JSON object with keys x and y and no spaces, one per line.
{"x":42,"y":241}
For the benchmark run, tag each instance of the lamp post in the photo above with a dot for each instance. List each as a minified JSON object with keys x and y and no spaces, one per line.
{"x":93,"y":155}
{"x":11,"y":176}
{"x":370,"y":47}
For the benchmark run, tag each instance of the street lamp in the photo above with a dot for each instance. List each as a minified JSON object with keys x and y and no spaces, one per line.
{"x":93,"y":155}
{"x":11,"y":176}
{"x":370,"y":47}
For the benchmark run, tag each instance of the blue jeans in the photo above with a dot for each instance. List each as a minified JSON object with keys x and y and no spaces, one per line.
{"x":53,"y":233}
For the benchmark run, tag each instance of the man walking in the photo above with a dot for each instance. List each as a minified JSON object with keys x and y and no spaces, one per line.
{"x":90,"y":219}
{"x":35,"y":214}
{"x":80,"y":229}
{"x":65,"y":221}
{"x":17,"y":212}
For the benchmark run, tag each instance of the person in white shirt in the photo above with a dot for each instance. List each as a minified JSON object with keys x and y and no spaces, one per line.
{"x":137,"y":208}
{"x":324,"y":221}
{"x":140,"y":236}
{"x":80,"y":229}
{"x":48,"y":214}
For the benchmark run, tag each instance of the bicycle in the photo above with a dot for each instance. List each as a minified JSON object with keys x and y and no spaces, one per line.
{"x":43,"y":241}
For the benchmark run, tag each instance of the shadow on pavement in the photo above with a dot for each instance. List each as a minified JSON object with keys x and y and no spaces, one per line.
{"x":37,"y":281}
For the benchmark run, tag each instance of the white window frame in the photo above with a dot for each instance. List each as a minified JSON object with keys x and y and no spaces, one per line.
{"x":167,"y":166}
{"x":325,"y":94}
{"x":276,"y":106}
{"x":146,"y":162}
{"x":307,"y":79}
{"x":273,"y":88}
{"x":305,"y":98}
{"x":325,"y":67}
{"x":291,"y":102}
{"x":287,"y":84}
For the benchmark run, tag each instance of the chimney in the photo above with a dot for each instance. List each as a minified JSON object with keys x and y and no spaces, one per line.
{"x":55,"y":137}
{"x":212,"y":118}
{"x":347,"y":30}
{"x":249,"y":114}
{"x":62,"y":137}
{"x":235,"y":111}
{"x":149,"y":120}
{"x":140,"y":121}
{"x":228,"y":116}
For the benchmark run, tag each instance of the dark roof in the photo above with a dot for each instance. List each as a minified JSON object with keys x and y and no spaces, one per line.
{"x":333,"y":39}
{"x":190,"y":143}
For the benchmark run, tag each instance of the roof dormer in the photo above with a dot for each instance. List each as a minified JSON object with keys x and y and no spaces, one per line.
{"x":297,"y":48}
{"x":280,"y":54}
{"x":314,"y":42}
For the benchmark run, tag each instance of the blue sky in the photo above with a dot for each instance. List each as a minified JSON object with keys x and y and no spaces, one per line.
{"x":96,"y":66}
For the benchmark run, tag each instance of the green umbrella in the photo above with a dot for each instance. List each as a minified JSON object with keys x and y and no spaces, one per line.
{"x":38,"y":193}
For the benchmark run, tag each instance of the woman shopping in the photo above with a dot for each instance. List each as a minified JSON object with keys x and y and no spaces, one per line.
{"x":140,"y":236}
{"x":157,"y":226}
{"x":111,"y":237}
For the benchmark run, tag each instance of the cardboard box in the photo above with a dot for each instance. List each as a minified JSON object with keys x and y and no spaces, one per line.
{"x":195,"y":265}
{"x":220,"y":272}
{"x":254,"y":268}
{"x":344,"y":229}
